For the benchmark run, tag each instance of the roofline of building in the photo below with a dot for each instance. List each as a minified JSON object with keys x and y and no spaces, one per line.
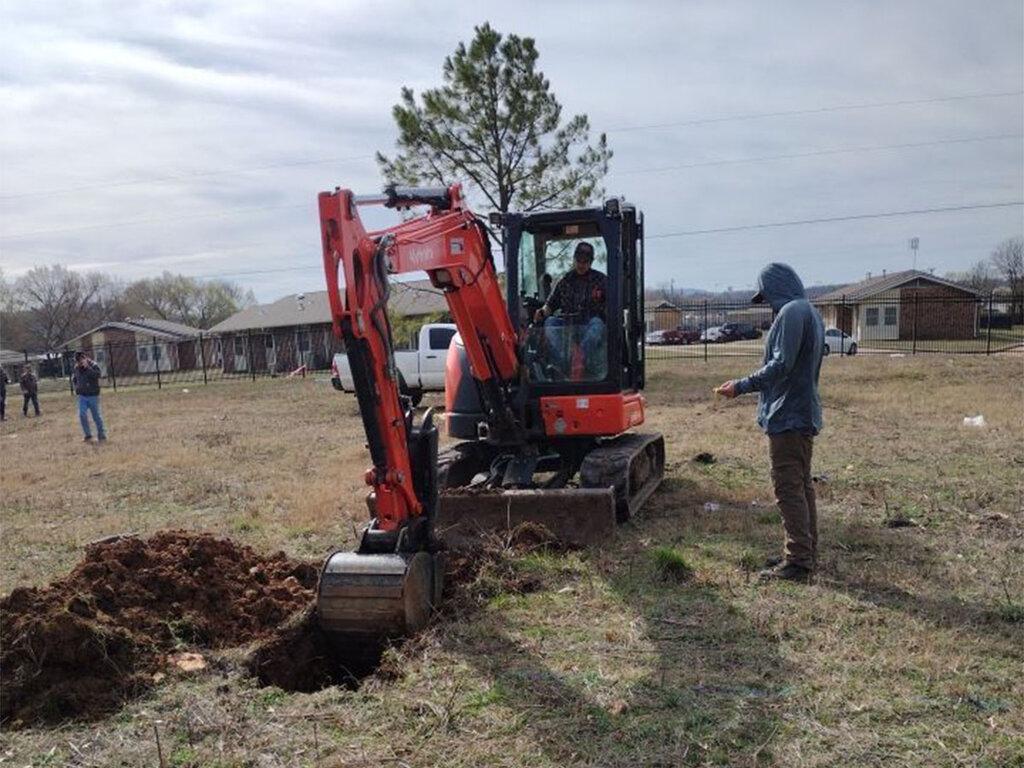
{"x":837,"y":297}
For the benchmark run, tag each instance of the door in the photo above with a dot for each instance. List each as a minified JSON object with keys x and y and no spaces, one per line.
{"x":270,"y":352}
{"x":241,"y":354}
{"x":100,"y":357}
{"x":434,"y":354}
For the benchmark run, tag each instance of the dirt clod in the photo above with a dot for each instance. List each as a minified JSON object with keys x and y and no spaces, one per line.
{"x":81,"y":646}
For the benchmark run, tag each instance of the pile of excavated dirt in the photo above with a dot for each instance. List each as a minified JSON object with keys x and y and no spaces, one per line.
{"x":81,"y":646}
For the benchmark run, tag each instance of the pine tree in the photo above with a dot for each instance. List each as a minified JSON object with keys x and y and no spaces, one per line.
{"x":495,"y":125}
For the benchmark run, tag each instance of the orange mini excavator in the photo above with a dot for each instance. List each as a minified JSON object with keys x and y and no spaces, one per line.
{"x":541,"y":411}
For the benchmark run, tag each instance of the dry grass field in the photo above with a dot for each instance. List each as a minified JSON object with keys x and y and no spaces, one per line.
{"x":907,"y":651}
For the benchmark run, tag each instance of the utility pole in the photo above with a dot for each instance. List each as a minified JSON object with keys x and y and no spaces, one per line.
{"x":914,"y":243}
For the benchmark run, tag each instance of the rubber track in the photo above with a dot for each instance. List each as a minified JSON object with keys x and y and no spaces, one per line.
{"x":633,"y":464}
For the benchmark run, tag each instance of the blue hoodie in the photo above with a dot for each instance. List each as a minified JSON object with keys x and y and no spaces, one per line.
{"x":788,"y":380}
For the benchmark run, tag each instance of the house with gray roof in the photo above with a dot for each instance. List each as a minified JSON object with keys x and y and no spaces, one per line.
{"x":296,"y":330}
{"x":904,"y":305}
{"x":140,"y":345}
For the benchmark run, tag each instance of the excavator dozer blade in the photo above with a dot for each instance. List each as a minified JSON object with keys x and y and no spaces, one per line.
{"x":576,"y":517}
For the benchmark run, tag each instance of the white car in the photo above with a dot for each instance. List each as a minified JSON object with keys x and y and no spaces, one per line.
{"x":712,"y":335}
{"x":841,"y":343}
{"x":655,"y":337}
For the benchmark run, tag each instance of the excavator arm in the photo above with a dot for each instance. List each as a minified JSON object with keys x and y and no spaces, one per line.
{"x":450,"y":244}
{"x":388,"y":585}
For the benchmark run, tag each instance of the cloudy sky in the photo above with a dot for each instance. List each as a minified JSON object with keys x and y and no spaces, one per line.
{"x":194,"y":136}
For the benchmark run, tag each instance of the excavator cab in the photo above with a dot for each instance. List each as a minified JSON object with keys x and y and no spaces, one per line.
{"x":599,"y":351}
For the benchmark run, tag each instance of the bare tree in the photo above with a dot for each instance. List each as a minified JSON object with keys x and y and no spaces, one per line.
{"x":58,"y":303}
{"x":1008,"y":259}
{"x":187,"y":300}
{"x":982,"y":277}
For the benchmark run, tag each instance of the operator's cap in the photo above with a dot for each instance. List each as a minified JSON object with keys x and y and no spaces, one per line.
{"x":757,"y":298}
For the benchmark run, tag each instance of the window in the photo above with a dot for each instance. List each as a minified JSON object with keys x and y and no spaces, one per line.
{"x":440,"y":338}
{"x":871,"y":316}
{"x":143,"y":354}
{"x":890,"y":315}
{"x":302,"y":341}
{"x":239,"y":345}
{"x":268,"y":341}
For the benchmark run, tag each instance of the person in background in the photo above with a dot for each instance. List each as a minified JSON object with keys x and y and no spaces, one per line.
{"x":4,"y":381}
{"x":789,"y":412}
{"x":29,"y":390}
{"x":86,"y":380}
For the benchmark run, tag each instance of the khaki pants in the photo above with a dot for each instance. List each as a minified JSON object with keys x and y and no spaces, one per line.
{"x":790,"y":454}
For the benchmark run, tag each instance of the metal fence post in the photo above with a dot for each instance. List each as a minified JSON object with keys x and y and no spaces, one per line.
{"x":988,"y":340}
{"x":202,"y":357}
{"x":840,"y":322}
{"x":71,"y":373}
{"x":156,"y":357}
{"x":917,"y":309}
{"x":251,"y":353}
{"x":705,"y":334}
{"x":110,"y":366}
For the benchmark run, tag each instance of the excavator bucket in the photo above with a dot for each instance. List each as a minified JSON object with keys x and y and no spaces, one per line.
{"x":367,"y":598}
{"x":576,"y":517}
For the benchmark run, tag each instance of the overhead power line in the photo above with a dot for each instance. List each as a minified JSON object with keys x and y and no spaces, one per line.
{"x":620,"y":129}
{"x":184,"y":176}
{"x":213,"y":215}
{"x":830,"y":219}
{"x":814,"y":111}
{"x":819,"y":153}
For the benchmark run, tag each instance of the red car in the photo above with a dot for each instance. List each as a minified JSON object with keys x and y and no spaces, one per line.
{"x":680,"y":336}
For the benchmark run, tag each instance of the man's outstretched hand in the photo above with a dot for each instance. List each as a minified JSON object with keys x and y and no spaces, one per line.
{"x":727,"y":390}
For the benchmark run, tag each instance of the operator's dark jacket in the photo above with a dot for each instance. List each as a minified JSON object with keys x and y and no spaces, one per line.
{"x":86,"y":380}
{"x":788,"y":381}
{"x":582,"y":295}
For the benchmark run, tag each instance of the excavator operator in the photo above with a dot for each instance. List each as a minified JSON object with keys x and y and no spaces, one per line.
{"x":579,"y":297}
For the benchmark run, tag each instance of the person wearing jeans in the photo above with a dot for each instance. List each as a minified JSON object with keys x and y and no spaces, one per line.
{"x":559,"y":336}
{"x":86,"y":381}
{"x":29,"y":390}
{"x":789,"y":412}
{"x":580,"y":298}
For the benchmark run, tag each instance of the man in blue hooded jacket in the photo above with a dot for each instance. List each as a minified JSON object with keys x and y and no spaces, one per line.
{"x":789,"y":412}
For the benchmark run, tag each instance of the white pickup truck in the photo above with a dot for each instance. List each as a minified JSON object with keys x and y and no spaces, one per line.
{"x":420,"y":361}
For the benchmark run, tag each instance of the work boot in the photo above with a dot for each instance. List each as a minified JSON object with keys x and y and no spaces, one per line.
{"x":787,"y":572}
{"x":87,"y":439}
{"x":773,"y":562}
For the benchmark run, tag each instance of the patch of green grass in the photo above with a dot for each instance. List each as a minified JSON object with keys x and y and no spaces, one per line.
{"x":480,"y":700}
{"x":1011,"y":613}
{"x":185,"y":757}
{"x":670,"y":564}
{"x":769,"y":518}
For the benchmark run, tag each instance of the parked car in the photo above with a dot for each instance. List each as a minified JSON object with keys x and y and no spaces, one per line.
{"x":656,"y":337}
{"x":420,"y":368}
{"x":739,"y":331}
{"x":681,"y":336}
{"x":712,"y":335}
{"x":842,"y":343}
